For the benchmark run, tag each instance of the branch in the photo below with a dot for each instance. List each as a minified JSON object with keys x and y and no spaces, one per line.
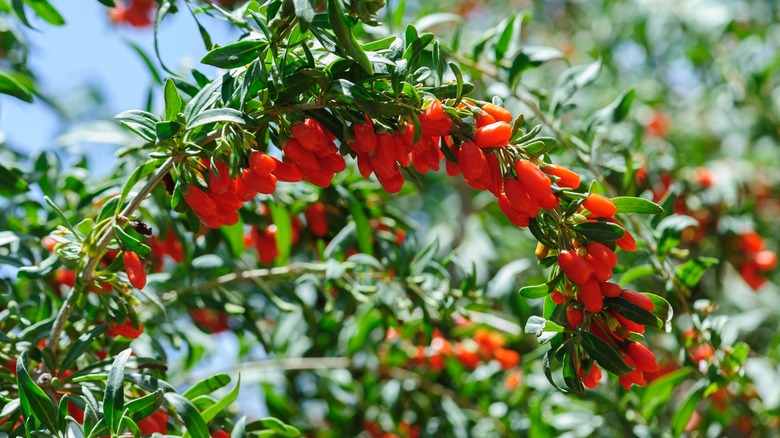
{"x":89,"y":269}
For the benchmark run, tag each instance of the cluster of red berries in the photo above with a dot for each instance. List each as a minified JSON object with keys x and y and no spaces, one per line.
{"x":587,"y":271}
{"x":312,"y":154}
{"x":755,"y":260}
{"x":136,"y":13}
{"x":482,"y":347}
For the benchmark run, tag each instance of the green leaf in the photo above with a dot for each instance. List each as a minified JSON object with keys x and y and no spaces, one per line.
{"x":216,"y":115}
{"x":45,"y":10}
{"x":615,"y":112}
{"x":670,"y":229}
{"x":283,"y":221}
{"x":536,"y":325}
{"x":81,"y":345}
{"x":362,"y":227}
{"x":34,"y":402}
{"x":172,"y":100}
{"x":685,"y":411}
{"x":634,"y":313}
{"x":204,"y":99}
{"x":234,"y":55}
{"x":690,"y":272}
{"x":59,"y":214}
{"x":659,"y":392}
{"x":193,"y":421}
{"x":603,"y":353}
{"x":141,"y":122}
{"x":12,"y":182}
{"x":144,"y":406}
{"x":636,"y":273}
{"x":663,"y":310}
{"x":114,"y":398}
{"x":234,"y":236}
{"x":207,"y":386}
{"x":530,"y":57}
{"x":505,"y":38}
{"x":600,"y":231}
{"x":41,"y":270}
{"x":540,"y":145}
{"x":535,"y":291}
{"x":347,"y":42}
{"x":166,"y":130}
{"x":11,"y":86}
{"x":630,"y":204}
{"x":571,"y":81}
{"x":147,"y":61}
{"x":212,"y":411}
{"x":138,"y":174}
{"x":130,"y":243}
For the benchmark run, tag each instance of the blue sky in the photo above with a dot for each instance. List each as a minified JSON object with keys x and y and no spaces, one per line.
{"x":88,"y":49}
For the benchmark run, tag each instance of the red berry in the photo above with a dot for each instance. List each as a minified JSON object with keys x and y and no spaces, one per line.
{"x":493,"y":135}
{"x":135,"y":269}
{"x":640,"y":300}
{"x":317,"y":219}
{"x":262,"y":164}
{"x":567,"y":177}
{"x":590,"y":295}
{"x":575,"y":317}
{"x":497,"y":112}
{"x":574,"y":266}
{"x":600,"y":205}
{"x":642,"y":357}
{"x":534,"y":180}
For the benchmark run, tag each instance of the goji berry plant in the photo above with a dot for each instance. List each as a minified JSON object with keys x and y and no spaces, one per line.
{"x":379,"y":221}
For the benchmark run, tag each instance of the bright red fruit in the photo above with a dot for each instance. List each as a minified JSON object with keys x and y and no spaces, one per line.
{"x":134,"y":269}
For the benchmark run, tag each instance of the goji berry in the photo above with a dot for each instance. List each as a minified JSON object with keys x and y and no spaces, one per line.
{"x":317,"y":219}
{"x":497,"y":112}
{"x":535,"y":181}
{"x":567,"y":177}
{"x":507,"y":358}
{"x":640,"y":300}
{"x":611,"y":290}
{"x":642,"y":357}
{"x":134,"y":269}
{"x":310,"y":134}
{"x":125,"y":329}
{"x":575,"y":317}
{"x":493,"y":135}
{"x":472,"y":160}
{"x":262,"y":164}
{"x":600,"y":205}
{"x":590,"y":294}
{"x":286,"y":172}
{"x":575,"y":266}
{"x":602,"y":253}
{"x":365,"y":138}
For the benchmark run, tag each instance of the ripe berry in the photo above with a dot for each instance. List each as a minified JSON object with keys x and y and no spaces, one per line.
{"x":507,"y":358}
{"x":567,"y":177}
{"x":575,"y":317}
{"x":497,"y":112}
{"x":603,"y":254}
{"x":317,"y":219}
{"x":135,"y":269}
{"x":472,"y":160}
{"x":640,"y":300}
{"x":600,"y":205}
{"x":493,"y":135}
{"x":611,"y":290}
{"x":590,"y":295}
{"x":642,"y":357}
{"x":534,"y":180}
{"x":261,"y":164}
{"x":574,"y":266}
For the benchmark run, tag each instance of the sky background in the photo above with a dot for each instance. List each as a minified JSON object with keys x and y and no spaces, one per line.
{"x":90,"y":51}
